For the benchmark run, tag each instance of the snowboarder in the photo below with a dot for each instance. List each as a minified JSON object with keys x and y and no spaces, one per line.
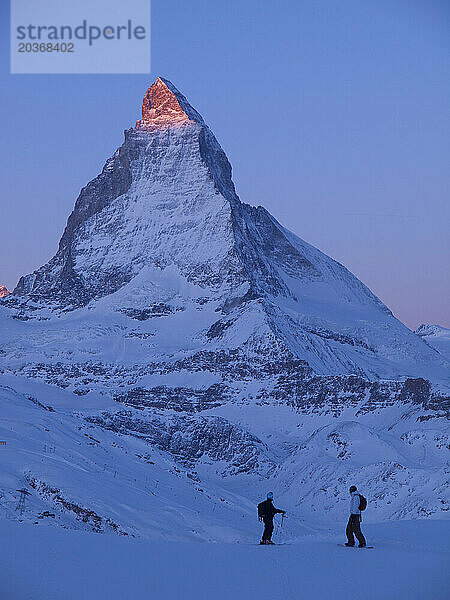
{"x":353,"y":525}
{"x":266,"y":513}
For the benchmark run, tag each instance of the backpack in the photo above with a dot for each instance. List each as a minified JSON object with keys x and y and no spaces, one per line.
{"x":262,"y":509}
{"x":362,"y":502}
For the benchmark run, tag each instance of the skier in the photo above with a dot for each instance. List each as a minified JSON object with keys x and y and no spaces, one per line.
{"x":353,"y":525}
{"x":266,"y":513}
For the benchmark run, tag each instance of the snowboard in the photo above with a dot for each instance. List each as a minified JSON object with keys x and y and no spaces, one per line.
{"x":355,"y":546}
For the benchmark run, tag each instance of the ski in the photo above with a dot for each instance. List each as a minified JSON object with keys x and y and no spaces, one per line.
{"x":363,"y":548}
{"x":276,"y":544}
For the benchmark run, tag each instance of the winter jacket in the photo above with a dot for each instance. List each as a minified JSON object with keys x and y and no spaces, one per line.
{"x":267,"y":510}
{"x":354,"y":504}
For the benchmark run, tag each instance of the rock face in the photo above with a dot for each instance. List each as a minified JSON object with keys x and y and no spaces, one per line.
{"x":3,"y":291}
{"x":186,"y":337}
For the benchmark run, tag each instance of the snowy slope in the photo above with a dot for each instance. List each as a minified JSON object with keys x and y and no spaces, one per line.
{"x":91,"y":463}
{"x":409,"y":562}
{"x":436,"y":336}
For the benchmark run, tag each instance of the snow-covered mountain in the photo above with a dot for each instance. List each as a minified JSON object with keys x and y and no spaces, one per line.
{"x":161,"y":232}
{"x":182,"y":352}
{"x":436,"y":336}
{"x":3,"y":291}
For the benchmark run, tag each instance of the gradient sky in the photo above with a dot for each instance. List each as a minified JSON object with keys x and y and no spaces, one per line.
{"x":334,"y":116}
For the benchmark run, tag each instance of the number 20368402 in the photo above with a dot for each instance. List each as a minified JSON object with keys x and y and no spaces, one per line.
{"x":46,"y":47}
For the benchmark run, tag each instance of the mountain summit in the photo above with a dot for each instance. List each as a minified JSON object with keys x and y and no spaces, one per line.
{"x":163,"y":219}
{"x":163,"y":104}
{"x":162,"y":198}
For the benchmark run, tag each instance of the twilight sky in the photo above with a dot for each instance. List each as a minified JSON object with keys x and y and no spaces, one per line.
{"x":334,"y":116}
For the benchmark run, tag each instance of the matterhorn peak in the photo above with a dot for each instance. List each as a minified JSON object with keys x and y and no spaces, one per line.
{"x":164,"y":105}
{"x":161,"y":231}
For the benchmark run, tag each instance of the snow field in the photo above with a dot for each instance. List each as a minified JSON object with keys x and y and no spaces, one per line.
{"x":409,"y":562}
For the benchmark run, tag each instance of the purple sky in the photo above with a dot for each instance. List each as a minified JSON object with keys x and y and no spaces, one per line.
{"x":334,"y":116}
